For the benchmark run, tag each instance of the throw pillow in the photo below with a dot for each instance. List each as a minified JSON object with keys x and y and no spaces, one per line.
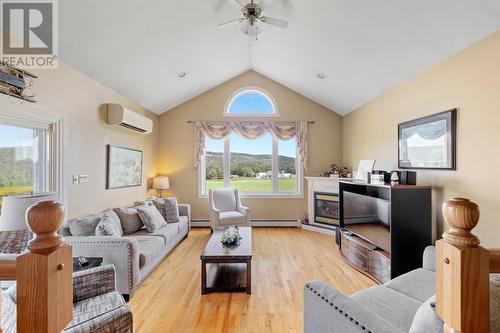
{"x":168,"y":208}
{"x":426,"y":319}
{"x":112,"y":215}
{"x":107,"y":227}
{"x":151,"y":218}
{"x":129,"y":219}
{"x":84,"y":226}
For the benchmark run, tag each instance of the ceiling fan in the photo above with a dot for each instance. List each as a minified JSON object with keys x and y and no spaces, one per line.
{"x":252,"y":15}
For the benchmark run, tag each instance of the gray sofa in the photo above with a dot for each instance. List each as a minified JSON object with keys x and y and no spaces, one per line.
{"x":387,"y":308}
{"x":135,"y":255}
{"x":404,"y":304}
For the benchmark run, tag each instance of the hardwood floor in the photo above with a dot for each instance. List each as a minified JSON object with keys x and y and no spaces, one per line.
{"x":284,"y":259}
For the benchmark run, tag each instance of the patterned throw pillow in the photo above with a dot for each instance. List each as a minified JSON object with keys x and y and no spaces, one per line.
{"x":107,"y":227}
{"x":129,"y":219}
{"x":168,"y":208}
{"x":151,"y":218}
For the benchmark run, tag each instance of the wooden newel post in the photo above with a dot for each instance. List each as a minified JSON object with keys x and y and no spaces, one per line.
{"x":462,"y":271}
{"x":44,"y":273}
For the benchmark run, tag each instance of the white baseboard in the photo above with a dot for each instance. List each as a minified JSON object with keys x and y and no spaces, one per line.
{"x":198,"y":223}
{"x":318,"y":229}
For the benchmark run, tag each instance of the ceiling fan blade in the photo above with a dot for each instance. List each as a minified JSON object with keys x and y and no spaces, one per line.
{"x":230,"y":23}
{"x":274,"y":21}
{"x":236,"y":3}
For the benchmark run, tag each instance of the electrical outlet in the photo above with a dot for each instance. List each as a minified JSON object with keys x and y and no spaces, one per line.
{"x":75,"y":180}
{"x":82,"y":179}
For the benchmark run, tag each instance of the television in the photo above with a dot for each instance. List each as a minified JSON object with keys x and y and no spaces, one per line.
{"x":367,"y":216}
{"x":359,"y":208}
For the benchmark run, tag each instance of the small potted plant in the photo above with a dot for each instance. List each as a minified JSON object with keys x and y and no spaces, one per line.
{"x":231,"y":236}
{"x":338,"y":171}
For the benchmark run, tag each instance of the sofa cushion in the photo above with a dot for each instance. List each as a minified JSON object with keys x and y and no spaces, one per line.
{"x":395,"y":307}
{"x":225,"y":200}
{"x":419,"y":284}
{"x":151,"y":217}
{"x":228,"y":218}
{"x":168,"y":208}
{"x":149,"y":248}
{"x":129,"y":219}
{"x":94,"y":312}
{"x":166,"y":233}
{"x":426,"y":319}
{"x":107,"y":227}
{"x":84,"y":226}
{"x":112,"y":215}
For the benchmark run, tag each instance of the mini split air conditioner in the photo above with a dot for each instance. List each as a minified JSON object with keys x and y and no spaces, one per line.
{"x":121,"y":116}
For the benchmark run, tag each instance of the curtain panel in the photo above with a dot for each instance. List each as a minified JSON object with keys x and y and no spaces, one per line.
{"x":250,"y":130}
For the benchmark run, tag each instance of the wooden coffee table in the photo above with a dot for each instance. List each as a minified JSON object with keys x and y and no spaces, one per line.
{"x":229,"y":268}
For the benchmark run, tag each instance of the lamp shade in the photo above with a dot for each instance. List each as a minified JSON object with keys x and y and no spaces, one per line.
{"x":14,"y":209}
{"x":161,"y":183}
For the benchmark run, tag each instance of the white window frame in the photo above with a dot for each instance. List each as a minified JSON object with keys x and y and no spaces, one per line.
{"x":251,"y":89}
{"x":299,"y":175}
{"x":16,"y":112}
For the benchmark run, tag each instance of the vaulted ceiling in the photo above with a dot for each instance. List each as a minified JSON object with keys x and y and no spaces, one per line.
{"x":362,"y":47}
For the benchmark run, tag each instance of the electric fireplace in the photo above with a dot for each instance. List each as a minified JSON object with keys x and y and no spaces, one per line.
{"x":326,"y":208}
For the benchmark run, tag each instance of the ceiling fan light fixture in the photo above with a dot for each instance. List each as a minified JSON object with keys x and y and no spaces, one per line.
{"x":251,"y":29}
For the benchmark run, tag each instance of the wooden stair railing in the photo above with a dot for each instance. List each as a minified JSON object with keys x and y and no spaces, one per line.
{"x":462,"y":271}
{"x":43,"y":273}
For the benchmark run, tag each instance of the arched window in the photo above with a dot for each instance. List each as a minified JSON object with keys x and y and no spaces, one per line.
{"x":251,"y":101}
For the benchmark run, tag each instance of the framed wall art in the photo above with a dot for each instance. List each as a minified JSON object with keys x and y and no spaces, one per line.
{"x":428,"y":142}
{"x":124,"y":167}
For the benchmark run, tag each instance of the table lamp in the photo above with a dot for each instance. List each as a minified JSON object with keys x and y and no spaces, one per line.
{"x":161,"y":184}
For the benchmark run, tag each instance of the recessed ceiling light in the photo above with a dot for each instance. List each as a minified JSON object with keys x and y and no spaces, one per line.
{"x":321,"y":76}
{"x":182,"y":75}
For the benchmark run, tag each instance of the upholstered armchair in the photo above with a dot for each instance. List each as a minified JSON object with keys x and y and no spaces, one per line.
{"x":97,"y":306}
{"x":226,"y":209}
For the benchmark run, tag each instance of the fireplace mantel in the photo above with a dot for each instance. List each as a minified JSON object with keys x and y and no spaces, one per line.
{"x":320,"y":184}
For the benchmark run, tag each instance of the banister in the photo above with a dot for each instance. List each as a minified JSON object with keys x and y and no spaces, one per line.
{"x":462,"y":271}
{"x":494,"y":260}
{"x":7,"y":270}
{"x":44,"y":273}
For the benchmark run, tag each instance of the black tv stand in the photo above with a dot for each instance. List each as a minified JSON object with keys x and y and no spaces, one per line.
{"x":386,"y":250}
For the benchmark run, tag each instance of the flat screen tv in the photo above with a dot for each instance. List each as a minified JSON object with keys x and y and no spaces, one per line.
{"x":362,"y":209}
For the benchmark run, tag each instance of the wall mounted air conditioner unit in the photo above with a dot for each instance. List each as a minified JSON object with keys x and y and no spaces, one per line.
{"x":121,"y":116}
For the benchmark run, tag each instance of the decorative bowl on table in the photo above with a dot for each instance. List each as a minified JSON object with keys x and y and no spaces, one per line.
{"x":231,"y":236}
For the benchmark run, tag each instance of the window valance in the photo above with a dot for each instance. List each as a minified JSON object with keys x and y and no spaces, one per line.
{"x":250,"y":130}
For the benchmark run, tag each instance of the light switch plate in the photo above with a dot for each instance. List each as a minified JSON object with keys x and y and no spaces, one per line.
{"x":82,"y":179}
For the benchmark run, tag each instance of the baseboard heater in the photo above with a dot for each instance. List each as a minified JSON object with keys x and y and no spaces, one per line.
{"x":254,"y":223}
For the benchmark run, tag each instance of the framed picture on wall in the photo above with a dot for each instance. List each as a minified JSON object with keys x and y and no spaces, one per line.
{"x":124,"y":167}
{"x":428,"y":142}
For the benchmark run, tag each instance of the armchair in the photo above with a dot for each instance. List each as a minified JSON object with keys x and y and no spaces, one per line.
{"x":97,"y":306}
{"x":225,"y":209}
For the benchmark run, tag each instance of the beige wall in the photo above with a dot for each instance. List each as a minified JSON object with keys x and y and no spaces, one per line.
{"x":177,"y":137}
{"x":81,"y":99}
{"x":469,"y":81}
